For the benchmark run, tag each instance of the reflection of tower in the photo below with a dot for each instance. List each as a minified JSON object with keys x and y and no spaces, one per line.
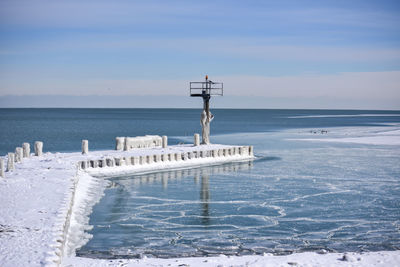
{"x":205,"y":198}
{"x":164,"y":179}
{"x":164,"y":182}
{"x":196,"y":178}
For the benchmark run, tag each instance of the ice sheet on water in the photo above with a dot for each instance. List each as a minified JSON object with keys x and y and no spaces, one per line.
{"x":378,"y":135}
{"x":345,"y":115}
{"x":301,"y":197}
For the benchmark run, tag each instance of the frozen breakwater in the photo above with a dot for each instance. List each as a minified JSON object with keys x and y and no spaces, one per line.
{"x":160,"y":159}
{"x":46,"y":199}
{"x":151,"y":153}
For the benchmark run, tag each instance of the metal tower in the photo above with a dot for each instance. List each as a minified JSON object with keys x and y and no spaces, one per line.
{"x":205,"y":90}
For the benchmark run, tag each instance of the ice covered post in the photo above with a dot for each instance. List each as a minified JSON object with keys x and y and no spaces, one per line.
{"x":164,"y":141}
{"x":251,"y":152}
{"x":196,"y":139}
{"x":18,"y":154}
{"x":205,"y":90}
{"x":2,"y":168}
{"x":27,"y":150}
{"x":38,"y":148}
{"x":85,"y":147}
{"x":10,"y":162}
{"x":119,"y":143}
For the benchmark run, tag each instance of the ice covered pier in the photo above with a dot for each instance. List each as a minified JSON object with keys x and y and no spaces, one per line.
{"x":150,"y":153}
{"x":46,"y":196}
{"x":137,"y":154}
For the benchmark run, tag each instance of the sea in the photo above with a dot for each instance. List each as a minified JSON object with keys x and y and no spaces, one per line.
{"x":322,"y":180}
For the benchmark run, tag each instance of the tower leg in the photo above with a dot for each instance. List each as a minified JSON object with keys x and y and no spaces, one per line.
{"x":205,"y":121}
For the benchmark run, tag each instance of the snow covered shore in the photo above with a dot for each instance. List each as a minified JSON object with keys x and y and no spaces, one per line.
{"x":382,"y":258}
{"x":37,"y":199}
{"x":45,"y":202}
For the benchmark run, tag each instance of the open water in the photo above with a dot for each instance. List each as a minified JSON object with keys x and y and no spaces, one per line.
{"x":323,"y":180}
{"x":62,"y":130}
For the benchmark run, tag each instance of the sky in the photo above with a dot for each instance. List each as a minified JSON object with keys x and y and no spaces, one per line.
{"x":269,"y":54}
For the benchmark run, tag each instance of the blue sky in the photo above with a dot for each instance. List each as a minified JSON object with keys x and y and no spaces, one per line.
{"x":343,"y":50}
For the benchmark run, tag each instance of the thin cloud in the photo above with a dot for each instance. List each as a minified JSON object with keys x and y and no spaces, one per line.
{"x":368,"y":85}
{"x":249,"y":48}
{"x":237,"y":14}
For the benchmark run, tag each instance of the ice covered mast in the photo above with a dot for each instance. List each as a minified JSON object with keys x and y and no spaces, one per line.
{"x":205,"y":90}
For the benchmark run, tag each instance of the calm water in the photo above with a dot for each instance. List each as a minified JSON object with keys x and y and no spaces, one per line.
{"x":64,"y":129}
{"x":296,"y":196}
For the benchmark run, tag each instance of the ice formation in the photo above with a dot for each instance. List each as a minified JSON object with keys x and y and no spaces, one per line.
{"x":38,"y":148}
{"x":27,"y":150}
{"x":128,"y":143}
{"x":206,"y":118}
{"x":196,"y":139}
{"x":85,"y":147}
{"x":10,"y":162}
{"x":18,"y":154}
{"x":2,"y":171}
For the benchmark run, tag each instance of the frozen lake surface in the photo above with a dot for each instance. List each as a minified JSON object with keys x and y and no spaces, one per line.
{"x":307,"y":191}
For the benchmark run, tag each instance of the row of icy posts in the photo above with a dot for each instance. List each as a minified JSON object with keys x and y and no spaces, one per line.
{"x":148,"y":159}
{"x":169,"y":157}
{"x":197,"y":143}
{"x":20,"y":153}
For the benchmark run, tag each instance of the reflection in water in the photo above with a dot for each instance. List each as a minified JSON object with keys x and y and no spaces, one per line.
{"x":205,"y":198}
{"x":201,"y":176}
{"x":196,"y":178}
{"x":164,"y":213}
{"x":163,"y":178}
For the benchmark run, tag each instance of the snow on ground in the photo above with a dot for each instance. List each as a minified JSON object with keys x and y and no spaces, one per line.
{"x":309,"y":259}
{"x":36,"y":201}
{"x":46,"y":199}
{"x":34,"y":204}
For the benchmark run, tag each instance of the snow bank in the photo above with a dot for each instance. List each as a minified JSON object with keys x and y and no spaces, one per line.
{"x":88,"y":192}
{"x":382,"y":258}
{"x":35,"y":198}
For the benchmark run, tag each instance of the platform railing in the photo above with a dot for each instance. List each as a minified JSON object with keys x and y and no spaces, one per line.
{"x":210,"y":88}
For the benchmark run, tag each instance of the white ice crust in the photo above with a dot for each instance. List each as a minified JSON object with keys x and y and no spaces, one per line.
{"x":309,"y":259}
{"x":377,"y":135}
{"x":140,"y":141}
